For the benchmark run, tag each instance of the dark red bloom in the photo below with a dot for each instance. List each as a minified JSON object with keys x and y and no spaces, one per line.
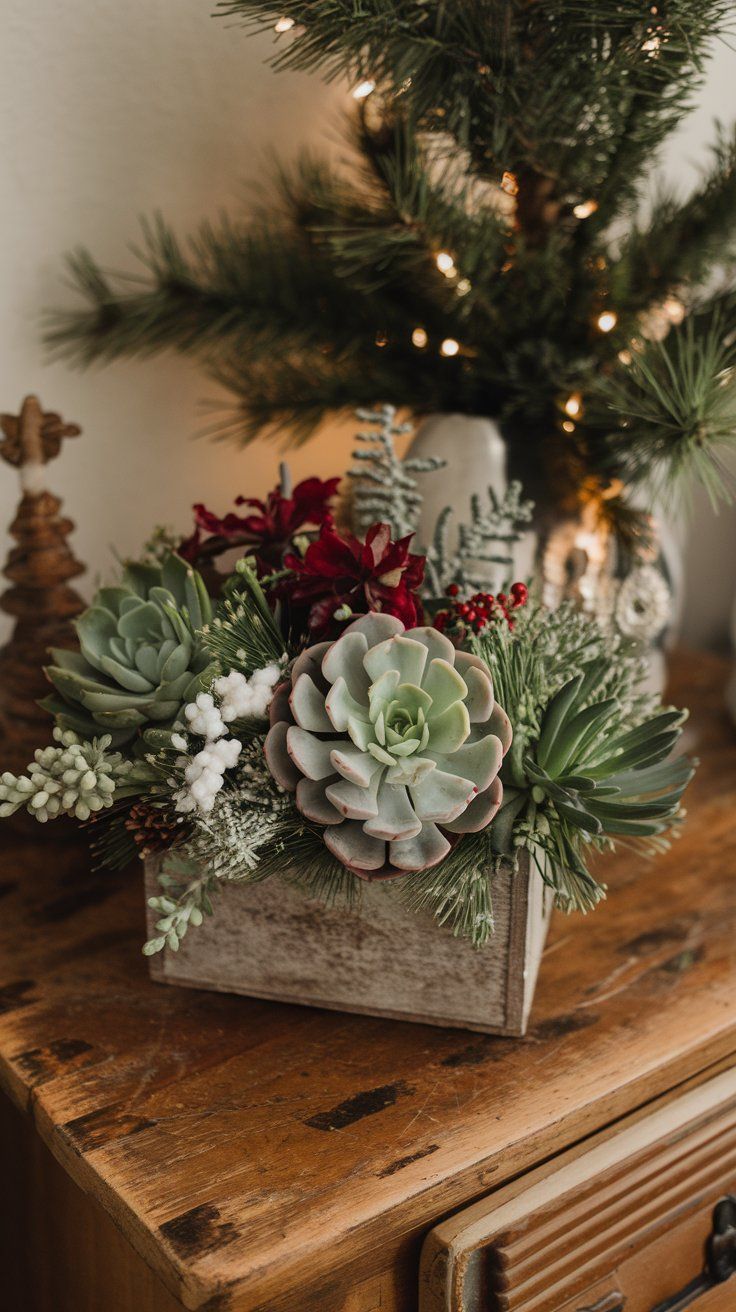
{"x":270,"y":527}
{"x":337,"y":572}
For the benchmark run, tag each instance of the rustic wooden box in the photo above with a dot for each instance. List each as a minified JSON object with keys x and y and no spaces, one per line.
{"x":270,"y":940}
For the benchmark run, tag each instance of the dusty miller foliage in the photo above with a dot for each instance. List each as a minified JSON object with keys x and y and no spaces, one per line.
{"x":384,"y":486}
{"x":486,"y":540}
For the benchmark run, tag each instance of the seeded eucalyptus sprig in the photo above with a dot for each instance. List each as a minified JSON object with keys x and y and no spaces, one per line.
{"x":591,"y":761}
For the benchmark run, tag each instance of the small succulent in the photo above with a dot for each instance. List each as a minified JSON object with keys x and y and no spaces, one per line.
{"x":392,"y":741}
{"x":140,"y":658}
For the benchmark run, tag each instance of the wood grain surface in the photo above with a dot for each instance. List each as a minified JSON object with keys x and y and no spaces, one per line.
{"x":261,"y":1156}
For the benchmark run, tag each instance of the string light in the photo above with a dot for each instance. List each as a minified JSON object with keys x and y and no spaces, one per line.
{"x":283,"y":24}
{"x":419,"y":338}
{"x":445,"y":264}
{"x":574,"y":405}
{"x":607,"y":321}
{"x":463,"y":287}
{"x":585,"y":209}
{"x":364,"y":89}
{"x":381,"y":339}
{"x":568,"y":426}
{"x":674,"y":309}
{"x":510,"y":184}
{"x":449,"y":347}
{"x":652,"y":46}
{"x":625,"y":357}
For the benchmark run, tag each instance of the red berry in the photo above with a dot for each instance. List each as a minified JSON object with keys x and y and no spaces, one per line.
{"x":452,"y":589}
{"x":502,"y":599}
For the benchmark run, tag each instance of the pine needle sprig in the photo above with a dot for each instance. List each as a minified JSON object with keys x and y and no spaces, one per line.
{"x":676,"y":409}
{"x":244,"y":635}
{"x":457,"y":892}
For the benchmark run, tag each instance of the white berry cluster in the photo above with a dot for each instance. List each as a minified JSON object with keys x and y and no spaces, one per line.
{"x":246,"y":699}
{"x":238,"y":698}
{"x":204,"y":772}
{"x":75,"y":778}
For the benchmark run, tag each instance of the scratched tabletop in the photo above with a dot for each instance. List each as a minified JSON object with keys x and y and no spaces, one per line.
{"x":258,"y":1155}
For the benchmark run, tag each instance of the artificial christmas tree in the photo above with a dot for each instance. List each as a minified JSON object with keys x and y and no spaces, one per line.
{"x":486,"y":253}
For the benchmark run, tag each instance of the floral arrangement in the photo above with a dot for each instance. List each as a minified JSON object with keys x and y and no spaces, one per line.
{"x":341,"y":707}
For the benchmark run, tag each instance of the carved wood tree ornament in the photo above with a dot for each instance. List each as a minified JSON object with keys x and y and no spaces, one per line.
{"x":39,"y":568}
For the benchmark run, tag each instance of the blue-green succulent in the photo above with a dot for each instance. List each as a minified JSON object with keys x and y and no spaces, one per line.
{"x":141,"y":655}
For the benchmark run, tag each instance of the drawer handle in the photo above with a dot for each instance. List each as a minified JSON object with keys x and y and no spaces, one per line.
{"x":720,"y":1259}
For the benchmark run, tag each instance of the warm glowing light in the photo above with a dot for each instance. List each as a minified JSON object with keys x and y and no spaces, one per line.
{"x":509,"y":184}
{"x":445,"y":263}
{"x":449,"y":346}
{"x":625,"y":357}
{"x":568,"y":426}
{"x":674,"y":309}
{"x":283,"y":25}
{"x":463,"y":287}
{"x":381,"y":339}
{"x":585,"y":209}
{"x":651,"y":46}
{"x":574,"y":405}
{"x":364,"y":89}
{"x":607,"y":321}
{"x":419,"y":338}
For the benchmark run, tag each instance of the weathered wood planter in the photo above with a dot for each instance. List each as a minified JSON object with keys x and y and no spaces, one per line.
{"x":269,"y":940}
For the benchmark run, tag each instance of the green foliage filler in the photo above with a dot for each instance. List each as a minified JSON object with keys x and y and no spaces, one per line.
{"x":516,"y":141}
{"x":140,"y":659}
{"x":591,"y":761}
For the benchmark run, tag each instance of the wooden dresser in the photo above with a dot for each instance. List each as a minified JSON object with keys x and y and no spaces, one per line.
{"x":164,"y":1148}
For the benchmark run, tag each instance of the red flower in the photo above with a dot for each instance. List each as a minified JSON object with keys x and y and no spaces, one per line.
{"x":377,"y":574}
{"x":269,"y":531}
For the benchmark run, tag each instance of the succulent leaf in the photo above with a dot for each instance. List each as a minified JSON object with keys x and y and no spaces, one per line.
{"x":140,"y":659}
{"x":389,"y":738}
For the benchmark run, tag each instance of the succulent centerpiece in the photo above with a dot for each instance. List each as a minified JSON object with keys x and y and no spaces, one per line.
{"x":347,"y":717}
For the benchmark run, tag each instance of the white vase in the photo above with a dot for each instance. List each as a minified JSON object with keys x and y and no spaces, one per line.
{"x":572,"y":556}
{"x":476,"y":459}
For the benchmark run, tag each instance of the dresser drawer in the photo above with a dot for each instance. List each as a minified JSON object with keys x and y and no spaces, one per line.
{"x":642,"y":1220}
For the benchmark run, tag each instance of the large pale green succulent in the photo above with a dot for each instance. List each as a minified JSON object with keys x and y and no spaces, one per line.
{"x":140,"y":659}
{"x":392,"y":740}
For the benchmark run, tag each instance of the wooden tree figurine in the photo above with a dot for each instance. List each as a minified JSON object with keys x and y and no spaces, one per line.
{"x":39,"y":569}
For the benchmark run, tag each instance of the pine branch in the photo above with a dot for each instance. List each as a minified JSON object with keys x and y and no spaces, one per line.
{"x":682,"y":241}
{"x":672,"y":413}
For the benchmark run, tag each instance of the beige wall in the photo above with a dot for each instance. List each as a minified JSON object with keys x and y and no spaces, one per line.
{"x":109,"y":110}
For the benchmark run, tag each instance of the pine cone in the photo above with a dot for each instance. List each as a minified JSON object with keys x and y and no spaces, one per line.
{"x":152,"y":828}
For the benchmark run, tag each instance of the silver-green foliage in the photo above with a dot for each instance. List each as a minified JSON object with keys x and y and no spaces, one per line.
{"x":384,"y":486}
{"x":140,"y":656}
{"x":74,"y":778}
{"x":485,"y":543}
{"x":225,"y":846}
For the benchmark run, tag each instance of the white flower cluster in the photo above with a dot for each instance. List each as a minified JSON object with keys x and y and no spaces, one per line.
{"x":239,"y":698}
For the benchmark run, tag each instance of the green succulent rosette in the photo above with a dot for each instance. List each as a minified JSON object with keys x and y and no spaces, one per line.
{"x":392,"y":740}
{"x":140,"y":657}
